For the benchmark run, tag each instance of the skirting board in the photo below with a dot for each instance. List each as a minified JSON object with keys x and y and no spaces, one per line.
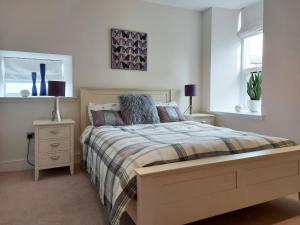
{"x":21,"y":164}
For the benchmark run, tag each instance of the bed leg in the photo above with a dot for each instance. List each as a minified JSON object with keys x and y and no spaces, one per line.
{"x":146,"y":201}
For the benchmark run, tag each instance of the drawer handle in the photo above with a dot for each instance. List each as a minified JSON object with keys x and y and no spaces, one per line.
{"x":54,"y":158}
{"x":54,"y":132}
{"x":54,"y":145}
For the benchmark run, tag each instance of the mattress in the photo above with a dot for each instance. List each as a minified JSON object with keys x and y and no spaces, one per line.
{"x":112,"y":154}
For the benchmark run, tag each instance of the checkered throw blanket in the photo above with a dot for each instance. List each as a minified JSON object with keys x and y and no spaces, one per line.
{"x":112,"y":154}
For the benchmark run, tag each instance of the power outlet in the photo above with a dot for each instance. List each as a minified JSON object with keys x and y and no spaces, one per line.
{"x":30,"y":135}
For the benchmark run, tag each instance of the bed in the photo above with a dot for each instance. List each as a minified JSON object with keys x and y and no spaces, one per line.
{"x":187,"y":191}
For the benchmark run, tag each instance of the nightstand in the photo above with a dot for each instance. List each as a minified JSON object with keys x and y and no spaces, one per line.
{"x":201,"y":118}
{"x":54,"y":145}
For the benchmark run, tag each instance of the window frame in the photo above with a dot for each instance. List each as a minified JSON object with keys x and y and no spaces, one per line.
{"x":247,"y":72}
{"x":67,"y":67}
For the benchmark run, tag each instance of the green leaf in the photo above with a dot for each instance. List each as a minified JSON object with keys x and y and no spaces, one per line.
{"x":254,"y":89}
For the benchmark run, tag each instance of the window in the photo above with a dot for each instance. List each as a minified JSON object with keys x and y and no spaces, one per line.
{"x":252,"y":59}
{"x":17,"y":67}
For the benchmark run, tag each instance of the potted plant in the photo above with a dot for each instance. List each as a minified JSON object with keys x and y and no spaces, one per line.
{"x":254,"y":91}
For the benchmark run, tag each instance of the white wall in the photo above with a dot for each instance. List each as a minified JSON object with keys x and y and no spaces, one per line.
{"x":206,"y":60}
{"x":82,"y":29}
{"x":222,"y":59}
{"x":281,"y":74}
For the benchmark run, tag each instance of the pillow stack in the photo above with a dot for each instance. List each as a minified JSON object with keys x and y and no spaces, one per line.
{"x":133,"y":109}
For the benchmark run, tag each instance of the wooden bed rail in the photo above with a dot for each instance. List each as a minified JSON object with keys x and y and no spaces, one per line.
{"x":184,"y":192}
{"x":211,"y":161}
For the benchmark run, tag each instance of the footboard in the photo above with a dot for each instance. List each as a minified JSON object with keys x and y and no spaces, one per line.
{"x":184,"y":192}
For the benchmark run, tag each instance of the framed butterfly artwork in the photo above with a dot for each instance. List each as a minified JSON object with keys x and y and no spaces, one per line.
{"x":129,"y":50}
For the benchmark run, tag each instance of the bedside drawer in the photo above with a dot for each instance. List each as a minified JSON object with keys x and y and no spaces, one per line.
{"x":54,"y":132}
{"x":54,"y":158}
{"x":54,"y":145}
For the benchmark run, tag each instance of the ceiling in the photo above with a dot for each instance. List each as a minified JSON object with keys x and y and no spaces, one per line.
{"x":204,"y":4}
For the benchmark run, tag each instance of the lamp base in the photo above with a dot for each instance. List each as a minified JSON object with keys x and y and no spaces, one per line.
{"x":190,"y":108}
{"x":56,"y":112}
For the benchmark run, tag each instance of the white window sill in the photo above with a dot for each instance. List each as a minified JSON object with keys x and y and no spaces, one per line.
{"x":247,"y":115}
{"x":35,"y":99}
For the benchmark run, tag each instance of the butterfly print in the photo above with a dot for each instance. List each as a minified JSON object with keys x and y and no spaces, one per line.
{"x":125,"y":34}
{"x":127,"y":57}
{"x":126,"y":42}
{"x":129,"y":50}
{"x":115,"y":56}
{"x":117,"y":49}
{"x":125,"y":65}
{"x":116,"y":33}
{"x":136,"y":44}
{"x":123,"y":42}
{"x":135,"y":51}
{"x":130,"y":65}
{"x":143,"y":37}
{"x":143,"y":44}
{"x":118,"y":57}
{"x":134,"y":36}
{"x":130,"y":42}
{"x":138,"y":66}
{"x":135,"y":58}
{"x":115,"y":41}
{"x":143,"y":59}
{"x":142,"y":51}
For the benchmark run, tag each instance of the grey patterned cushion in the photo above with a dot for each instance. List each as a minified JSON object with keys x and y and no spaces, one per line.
{"x":138,"y":109}
{"x":170,"y":114}
{"x":106,"y":118}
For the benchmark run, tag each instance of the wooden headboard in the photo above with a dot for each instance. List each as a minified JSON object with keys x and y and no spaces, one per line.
{"x":103,"y":96}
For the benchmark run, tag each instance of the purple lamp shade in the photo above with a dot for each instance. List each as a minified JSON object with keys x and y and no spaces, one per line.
{"x":190,"y":90}
{"x":56,"y":88}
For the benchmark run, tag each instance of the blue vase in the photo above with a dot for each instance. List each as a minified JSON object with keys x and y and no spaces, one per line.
{"x":43,"y":91}
{"x":34,"y":89}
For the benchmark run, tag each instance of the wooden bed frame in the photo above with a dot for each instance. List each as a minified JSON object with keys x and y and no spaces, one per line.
{"x":185,"y":192}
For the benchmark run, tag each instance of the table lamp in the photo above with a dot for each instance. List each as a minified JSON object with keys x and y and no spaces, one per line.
{"x":190,"y":91}
{"x":56,"y":89}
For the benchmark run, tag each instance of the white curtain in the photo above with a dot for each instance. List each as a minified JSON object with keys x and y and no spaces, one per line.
{"x":20,"y":69}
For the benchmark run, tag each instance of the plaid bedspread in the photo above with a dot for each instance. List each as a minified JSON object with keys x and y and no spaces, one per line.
{"x":112,"y":154}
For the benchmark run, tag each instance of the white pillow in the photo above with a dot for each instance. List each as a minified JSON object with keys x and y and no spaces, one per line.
{"x":99,"y":107}
{"x":173,"y":104}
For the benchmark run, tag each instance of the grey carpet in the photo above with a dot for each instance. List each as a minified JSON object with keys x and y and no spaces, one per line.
{"x":60,"y":199}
